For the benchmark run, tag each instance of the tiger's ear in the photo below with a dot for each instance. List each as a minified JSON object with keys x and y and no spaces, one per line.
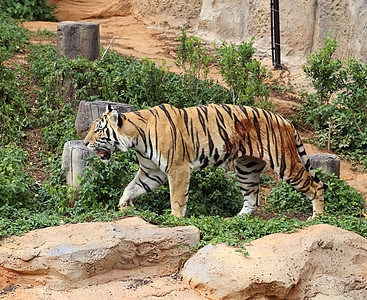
{"x":108,"y":108}
{"x":116,"y":118}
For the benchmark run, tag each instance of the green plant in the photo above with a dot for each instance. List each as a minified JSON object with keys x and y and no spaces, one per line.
{"x":17,"y":187}
{"x":243,"y":74}
{"x":193,"y":58}
{"x":213,"y":191}
{"x":324,"y":72}
{"x":102,"y":184}
{"x":13,"y":37}
{"x":29,"y":10}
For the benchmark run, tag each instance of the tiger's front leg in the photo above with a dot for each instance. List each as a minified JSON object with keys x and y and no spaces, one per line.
{"x":179,"y":181}
{"x":148,"y":178}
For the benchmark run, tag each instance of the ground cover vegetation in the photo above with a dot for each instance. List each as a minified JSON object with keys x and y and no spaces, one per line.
{"x":37,"y":121}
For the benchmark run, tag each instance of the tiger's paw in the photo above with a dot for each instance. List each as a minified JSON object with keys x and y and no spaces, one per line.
{"x":125,"y":202}
{"x":315,"y":216}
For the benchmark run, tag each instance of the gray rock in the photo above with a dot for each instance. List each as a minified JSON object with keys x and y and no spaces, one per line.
{"x":88,"y":112}
{"x":330,"y":163}
{"x":76,"y":255}
{"x":78,"y":38}
{"x":74,"y":159}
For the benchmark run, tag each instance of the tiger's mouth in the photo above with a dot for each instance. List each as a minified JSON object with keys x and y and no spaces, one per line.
{"x":103,"y":154}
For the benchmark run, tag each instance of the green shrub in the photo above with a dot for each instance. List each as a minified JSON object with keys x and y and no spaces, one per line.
{"x":17,"y":187}
{"x":213,"y":191}
{"x":29,"y":10}
{"x":13,"y":108}
{"x":13,"y":37}
{"x":121,"y":79}
{"x":102,"y":184}
{"x":243,"y":74}
{"x":60,"y":125}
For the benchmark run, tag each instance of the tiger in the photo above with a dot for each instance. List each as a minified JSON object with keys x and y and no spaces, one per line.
{"x":170,"y":143}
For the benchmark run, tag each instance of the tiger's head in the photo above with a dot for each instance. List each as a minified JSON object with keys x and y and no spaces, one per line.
{"x":103,"y":136}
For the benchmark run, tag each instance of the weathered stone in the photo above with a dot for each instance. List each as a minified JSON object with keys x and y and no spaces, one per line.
{"x":74,"y":159}
{"x":78,"y":38}
{"x":320,"y":260}
{"x":330,"y":163}
{"x":304,"y":24}
{"x":76,"y":255}
{"x":88,"y":112}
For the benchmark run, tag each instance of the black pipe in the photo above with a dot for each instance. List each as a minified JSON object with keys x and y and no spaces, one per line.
{"x":275,"y":34}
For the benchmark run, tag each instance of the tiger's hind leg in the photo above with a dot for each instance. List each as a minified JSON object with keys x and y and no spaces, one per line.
{"x":303,"y":182}
{"x":248,"y":171}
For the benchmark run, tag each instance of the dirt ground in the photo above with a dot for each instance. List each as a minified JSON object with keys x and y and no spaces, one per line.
{"x":132,"y":37}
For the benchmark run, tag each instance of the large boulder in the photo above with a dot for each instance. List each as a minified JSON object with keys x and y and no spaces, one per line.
{"x":319,"y":262}
{"x":76,"y":255}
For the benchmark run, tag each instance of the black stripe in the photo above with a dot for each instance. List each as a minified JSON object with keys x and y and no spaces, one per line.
{"x":201,"y":120}
{"x":145,"y":186}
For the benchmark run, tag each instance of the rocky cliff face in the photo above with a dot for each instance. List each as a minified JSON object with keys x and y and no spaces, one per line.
{"x":304,"y":24}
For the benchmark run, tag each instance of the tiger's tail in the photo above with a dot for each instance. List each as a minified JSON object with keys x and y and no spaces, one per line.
{"x":305,"y":160}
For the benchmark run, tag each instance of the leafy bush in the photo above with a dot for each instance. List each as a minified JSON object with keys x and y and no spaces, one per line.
{"x":119,"y":78}
{"x":340,"y":198}
{"x":13,"y":37}
{"x":17,"y":187}
{"x":213,"y":191}
{"x":30,"y":10}
{"x":13,"y":108}
{"x":13,"y":111}
{"x":242,"y":73}
{"x":60,"y":125}
{"x":102,"y":184}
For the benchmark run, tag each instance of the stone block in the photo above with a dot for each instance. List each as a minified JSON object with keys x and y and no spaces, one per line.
{"x":330,"y":163}
{"x":78,"y":38}
{"x":88,"y":112}
{"x":74,"y":158}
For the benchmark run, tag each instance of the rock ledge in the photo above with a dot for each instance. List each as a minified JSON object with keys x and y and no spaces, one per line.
{"x":320,"y":260}
{"x":76,"y":255}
